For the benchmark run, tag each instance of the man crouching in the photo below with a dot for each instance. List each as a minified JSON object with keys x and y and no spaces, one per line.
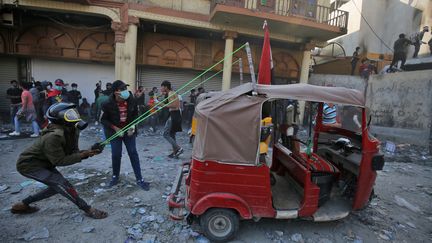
{"x":58,"y":146}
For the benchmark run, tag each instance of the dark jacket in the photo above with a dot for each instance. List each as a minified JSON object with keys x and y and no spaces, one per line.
{"x":111,"y":114}
{"x":56,"y":147}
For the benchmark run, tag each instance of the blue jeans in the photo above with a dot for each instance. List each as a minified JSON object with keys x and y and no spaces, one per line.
{"x":116,"y":154}
{"x":17,"y":123}
{"x":13,"y":110}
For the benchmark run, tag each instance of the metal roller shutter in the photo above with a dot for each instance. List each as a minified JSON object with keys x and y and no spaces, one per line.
{"x":8,"y":72}
{"x":149,"y":77}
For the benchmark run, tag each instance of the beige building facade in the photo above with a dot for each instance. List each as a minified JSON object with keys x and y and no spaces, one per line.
{"x":145,"y":42}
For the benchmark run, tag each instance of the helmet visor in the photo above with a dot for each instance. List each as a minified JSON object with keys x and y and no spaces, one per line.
{"x":72,"y":115}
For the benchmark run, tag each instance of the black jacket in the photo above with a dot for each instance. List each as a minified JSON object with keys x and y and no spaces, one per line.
{"x":111,"y":114}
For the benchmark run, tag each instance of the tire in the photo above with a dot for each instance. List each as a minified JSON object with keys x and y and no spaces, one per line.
{"x":219,"y":224}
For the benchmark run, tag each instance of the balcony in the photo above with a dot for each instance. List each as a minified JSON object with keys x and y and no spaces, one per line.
{"x":299,"y":18}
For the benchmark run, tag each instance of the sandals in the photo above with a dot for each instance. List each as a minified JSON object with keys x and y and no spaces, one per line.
{"x":96,"y":213}
{"x":21,"y":208}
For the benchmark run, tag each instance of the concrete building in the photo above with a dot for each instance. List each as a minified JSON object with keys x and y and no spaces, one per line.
{"x":375,"y":25}
{"x":144,"y":42}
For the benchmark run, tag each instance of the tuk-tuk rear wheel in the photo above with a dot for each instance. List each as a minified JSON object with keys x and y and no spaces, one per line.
{"x":219,"y":224}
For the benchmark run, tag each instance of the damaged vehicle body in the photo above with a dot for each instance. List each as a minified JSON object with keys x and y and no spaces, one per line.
{"x":249,"y":163}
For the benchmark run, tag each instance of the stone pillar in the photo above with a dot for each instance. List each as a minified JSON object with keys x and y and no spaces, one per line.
{"x":229,"y":37}
{"x":304,"y":77}
{"x":125,"y":51}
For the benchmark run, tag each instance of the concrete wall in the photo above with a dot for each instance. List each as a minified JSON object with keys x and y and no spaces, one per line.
{"x":402,"y":100}
{"x":388,"y":19}
{"x":84,"y":74}
{"x":347,"y":81}
{"x":400,"y":103}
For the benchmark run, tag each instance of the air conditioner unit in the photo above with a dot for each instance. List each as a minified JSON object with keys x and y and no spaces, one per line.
{"x":6,"y":19}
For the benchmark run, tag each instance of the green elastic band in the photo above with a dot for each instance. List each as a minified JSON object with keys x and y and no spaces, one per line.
{"x":148,"y":113}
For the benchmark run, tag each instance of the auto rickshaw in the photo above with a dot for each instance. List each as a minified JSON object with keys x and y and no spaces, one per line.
{"x":228,"y":179}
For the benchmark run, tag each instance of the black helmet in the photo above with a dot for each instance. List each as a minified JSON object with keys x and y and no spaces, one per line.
{"x":65,"y":114}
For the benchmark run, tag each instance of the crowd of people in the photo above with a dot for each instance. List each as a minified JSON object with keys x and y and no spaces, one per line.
{"x":117,"y":109}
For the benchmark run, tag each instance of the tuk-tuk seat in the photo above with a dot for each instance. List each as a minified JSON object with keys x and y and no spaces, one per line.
{"x":317,"y":164}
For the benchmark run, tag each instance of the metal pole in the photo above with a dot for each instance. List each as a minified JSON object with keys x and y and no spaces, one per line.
{"x":251,"y":68}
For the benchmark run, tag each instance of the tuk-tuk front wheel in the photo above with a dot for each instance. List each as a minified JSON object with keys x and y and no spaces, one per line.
{"x":219,"y":224}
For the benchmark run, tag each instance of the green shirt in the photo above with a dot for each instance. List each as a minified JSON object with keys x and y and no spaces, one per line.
{"x":49,"y":151}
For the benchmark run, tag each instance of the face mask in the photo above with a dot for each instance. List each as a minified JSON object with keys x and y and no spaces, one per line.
{"x":58,"y":87}
{"x":74,"y":88}
{"x":124,"y":94}
{"x":49,"y":87}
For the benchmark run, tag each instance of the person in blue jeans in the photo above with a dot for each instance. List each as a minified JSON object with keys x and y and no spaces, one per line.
{"x":120,"y":110}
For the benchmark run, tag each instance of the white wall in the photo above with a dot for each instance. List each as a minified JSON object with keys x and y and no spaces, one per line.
{"x":86,"y":75}
{"x":388,"y":19}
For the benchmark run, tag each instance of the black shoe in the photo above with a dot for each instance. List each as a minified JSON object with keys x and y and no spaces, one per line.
{"x":171,"y":155}
{"x":114,"y":181}
{"x":178,"y":153}
{"x":144,"y":185}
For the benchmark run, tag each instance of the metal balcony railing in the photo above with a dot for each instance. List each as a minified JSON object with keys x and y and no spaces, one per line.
{"x":307,"y":9}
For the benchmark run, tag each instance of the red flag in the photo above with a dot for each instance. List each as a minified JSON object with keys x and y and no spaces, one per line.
{"x":266,"y":62}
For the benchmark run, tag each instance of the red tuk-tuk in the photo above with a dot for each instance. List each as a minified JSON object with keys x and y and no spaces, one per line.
{"x":229,"y":179}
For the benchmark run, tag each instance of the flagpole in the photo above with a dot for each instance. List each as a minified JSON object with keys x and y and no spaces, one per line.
{"x":251,"y":68}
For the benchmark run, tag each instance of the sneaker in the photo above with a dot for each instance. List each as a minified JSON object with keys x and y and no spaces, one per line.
{"x":21,"y":208}
{"x":144,"y":185}
{"x":151,"y":130}
{"x":178,"y":152}
{"x":114,"y":181}
{"x":14,"y":134}
{"x":171,"y":155}
{"x":34,"y":135}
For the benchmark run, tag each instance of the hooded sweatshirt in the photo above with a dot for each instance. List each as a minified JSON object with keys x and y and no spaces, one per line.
{"x":58,"y":146}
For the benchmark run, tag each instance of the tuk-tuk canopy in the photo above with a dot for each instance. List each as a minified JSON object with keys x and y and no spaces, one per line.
{"x":228,"y":124}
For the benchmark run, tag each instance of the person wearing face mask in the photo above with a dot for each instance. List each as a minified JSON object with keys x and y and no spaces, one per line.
{"x":120,"y":110}
{"x":58,"y":146}
{"x":74,"y":95}
{"x":57,"y":94}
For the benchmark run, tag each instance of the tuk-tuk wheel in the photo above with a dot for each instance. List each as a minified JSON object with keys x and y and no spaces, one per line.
{"x":219,"y":224}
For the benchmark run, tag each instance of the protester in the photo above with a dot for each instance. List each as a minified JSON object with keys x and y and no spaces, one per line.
{"x":120,"y":110}
{"x":355,"y":58}
{"x":366,"y":69}
{"x":14,"y":94}
{"x":27,"y":111}
{"x":190,"y":107}
{"x":38,"y":97}
{"x":140,"y":99}
{"x":329,"y":116}
{"x":174,"y":122}
{"x":58,"y":146}
{"x":99,"y":102}
{"x":85,"y":108}
{"x":74,"y":95}
{"x":57,"y":94}
{"x":47,"y":87}
{"x":98,"y":89}
{"x":430,"y":46}
{"x":108,"y":89}
{"x":200,"y":91}
{"x":400,"y":48}
{"x":153,"y":111}
{"x":418,"y":40}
